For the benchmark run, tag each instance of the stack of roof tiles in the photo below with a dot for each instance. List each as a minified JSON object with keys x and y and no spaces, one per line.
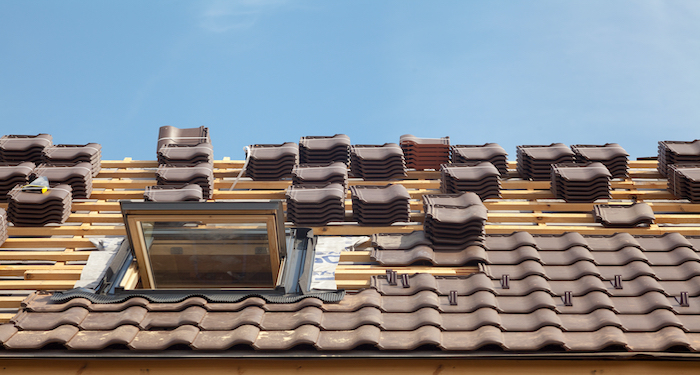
{"x":380,"y":205}
{"x":454,"y":222}
{"x":320,"y":174}
{"x":684,"y":181}
{"x":74,"y":154}
{"x":168,"y":135}
{"x":425,"y":153}
{"x":272,"y":162}
{"x":677,"y":152}
{"x":624,"y":216}
{"x":36,"y":209}
{"x":78,"y":176}
{"x":372,"y":162}
{"x":191,"y":192}
{"x":3,"y":226}
{"x":185,"y":154}
{"x":580,"y":182}
{"x":534,"y":162}
{"x":321,"y":149}
{"x":12,"y":174}
{"x":315,"y":205}
{"x":201,"y":174}
{"x":612,"y":155}
{"x":19,"y":148}
{"x":481,"y":178}
{"x":490,"y":152}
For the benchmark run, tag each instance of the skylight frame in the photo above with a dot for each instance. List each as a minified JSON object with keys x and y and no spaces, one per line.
{"x":268,"y":212}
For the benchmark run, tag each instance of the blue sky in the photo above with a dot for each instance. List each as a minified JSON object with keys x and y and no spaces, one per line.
{"x":270,"y":71}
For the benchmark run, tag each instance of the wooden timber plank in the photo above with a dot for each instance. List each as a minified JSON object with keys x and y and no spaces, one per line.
{"x":36,"y":284}
{"x":11,"y":302}
{"x":126,"y":183}
{"x":57,"y":256}
{"x":581,"y":207}
{"x":52,"y":274}
{"x":19,"y":270}
{"x":5,"y":317}
{"x":94,"y":217}
{"x":75,"y":230}
{"x":355,"y":256}
{"x":352,"y":284}
{"x":96,"y":206}
{"x":33,"y":243}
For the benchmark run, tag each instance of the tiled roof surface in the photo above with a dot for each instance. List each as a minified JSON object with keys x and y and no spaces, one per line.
{"x":522,"y":272}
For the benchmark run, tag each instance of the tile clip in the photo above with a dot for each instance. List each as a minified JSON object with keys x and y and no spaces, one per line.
{"x":566,"y":298}
{"x":452,"y":297}
{"x":683,"y":299}
{"x":391,"y":277}
{"x":505,"y":281}
{"x":404,"y":281}
{"x":617,"y":282}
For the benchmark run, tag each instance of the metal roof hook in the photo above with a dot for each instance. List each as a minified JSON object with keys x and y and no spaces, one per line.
{"x":566,"y":298}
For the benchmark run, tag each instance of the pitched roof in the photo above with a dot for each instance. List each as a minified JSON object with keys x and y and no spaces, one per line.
{"x":538,"y":274}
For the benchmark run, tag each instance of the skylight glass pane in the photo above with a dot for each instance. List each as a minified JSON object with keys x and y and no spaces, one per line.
{"x":185,"y":254}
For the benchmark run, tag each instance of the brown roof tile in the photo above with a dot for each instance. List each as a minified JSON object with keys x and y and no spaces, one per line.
{"x":160,"y":340}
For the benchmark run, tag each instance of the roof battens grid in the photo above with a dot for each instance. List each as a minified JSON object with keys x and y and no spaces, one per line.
{"x":581,"y":293}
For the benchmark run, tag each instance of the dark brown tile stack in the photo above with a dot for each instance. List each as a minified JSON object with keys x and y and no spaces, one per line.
{"x":481,"y":178}
{"x":74,"y":154}
{"x":580,"y":182}
{"x":380,"y":205}
{"x":3,"y":226}
{"x":315,"y":205}
{"x":372,"y":162}
{"x":534,"y":162}
{"x":19,"y":148}
{"x":624,"y":216}
{"x":179,"y":154}
{"x":36,"y":209}
{"x":425,"y":153}
{"x":490,"y":152}
{"x":454,"y":222}
{"x":684,"y":181}
{"x":612,"y":155}
{"x":78,"y":176}
{"x":320,"y":174}
{"x":12,"y":174}
{"x":677,"y":152}
{"x":201,"y":174}
{"x":320,"y":149}
{"x":168,"y":135}
{"x":272,"y":162}
{"x":191,"y":192}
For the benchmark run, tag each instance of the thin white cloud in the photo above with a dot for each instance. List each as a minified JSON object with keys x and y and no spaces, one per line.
{"x":220,"y":16}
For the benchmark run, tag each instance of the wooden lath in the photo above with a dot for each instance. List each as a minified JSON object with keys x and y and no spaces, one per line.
{"x":524,"y":206}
